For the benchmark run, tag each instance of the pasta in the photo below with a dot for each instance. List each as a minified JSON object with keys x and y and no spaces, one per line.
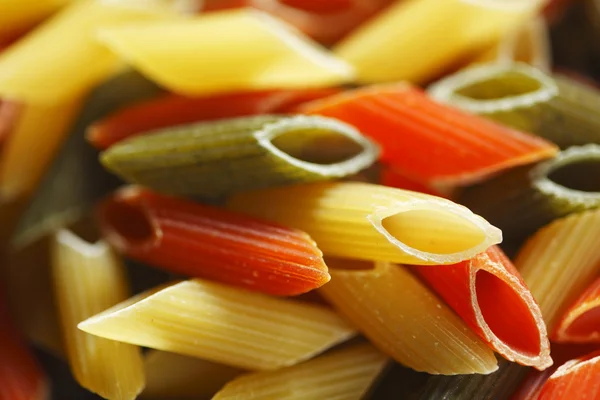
{"x":580,"y":322}
{"x":371,"y":222}
{"x":431,"y":143}
{"x":402,"y":43}
{"x":9,"y":113}
{"x":576,"y":379}
{"x":75,"y":180}
{"x":274,"y":55}
{"x":170,"y":110}
{"x":73,"y":62}
{"x":559,"y":261}
{"x":557,"y":108}
{"x":532,"y":385}
{"x":524,"y":200}
{"x":17,"y":17}
{"x":343,"y":374}
{"x":173,"y":376}
{"x":391,"y":177}
{"x":89,"y":279}
{"x":206,"y":242}
{"x":405,"y":320}
{"x":222,"y":324}
{"x":513,"y":327}
{"x":215,"y":159}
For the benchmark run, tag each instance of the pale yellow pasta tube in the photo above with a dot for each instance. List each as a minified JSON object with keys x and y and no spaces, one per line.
{"x":88,"y":279}
{"x":17,"y":16}
{"x":405,"y":320}
{"x":343,"y":374}
{"x":560,"y":261}
{"x":223,"y":324}
{"x":61,"y":59}
{"x":416,"y":40}
{"x":372,"y":222}
{"x":174,"y":376}
{"x":195,"y":56}
{"x":40,"y":130}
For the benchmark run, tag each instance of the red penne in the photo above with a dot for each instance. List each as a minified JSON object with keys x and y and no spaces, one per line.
{"x":9,"y":116}
{"x":577,"y":379}
{"x":581,"y":322}
{"x":21,"y":378}
{"x":206,"y":242}
{"x":324,"y":22}
{"x":490,"y":296}
{"x":431,"y":143}
{"x":531,"y":387}
{"x":170,"y":110}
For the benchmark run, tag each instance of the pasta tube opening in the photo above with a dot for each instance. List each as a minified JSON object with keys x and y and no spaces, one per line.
{"x":580,"y":326}
{"x":490,"y":289}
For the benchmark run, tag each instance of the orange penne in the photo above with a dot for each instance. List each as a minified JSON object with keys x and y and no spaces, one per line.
{"x":9,"y":115}
{"x":21,"y":378}
{"x":491,"y":297}
{"x":171,"y":109}
{"x":575,"y":380}
{"x":581,"y":322}
{"x":428,"y":142}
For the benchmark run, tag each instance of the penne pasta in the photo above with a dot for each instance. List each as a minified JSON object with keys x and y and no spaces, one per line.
{"x":88,"y":279}
{"x":9,"y":114}
{"x":76,"y":181}
{"x":73,"y":62}
{"x":488,"y":293}
{"x":403,"y":42}
{"x":391,"y":177}
{"x":218,"y":158}
{"x":170,"y":110}
{"x":177,"y":6}
{"x":210,"y":243}
{"x":372,"y":222}
{"x":576,"y":379}
{"x":274,"y":56}
{"x":173,"y":376}
{"x":18,"y":17}
{"x":556,"y":108}
{"x":21,"y":378}
{"x":532,"y":385}
{"x":580,"y":322}
{"x":222,"y":324}
{"x":342,"y":374}
{"x":431,"y":143}
{"x":559,"y":261}
{"x":406,"y":321}
{"x":523,"y":200}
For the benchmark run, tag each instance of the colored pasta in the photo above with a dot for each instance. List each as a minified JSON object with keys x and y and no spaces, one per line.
{"x":576,"y":379}
{"x":556,"y":108}
{"x":170,"y":110}
{"x":406,"y":321}
{"x":559,"y":261}
{"x":218,"y":158}
{"x":222,"y":324}
{"x":210,"y":243}
{"x":429,"y":142}
{"x":17,"y":17}
{"x":371,"y":222}
{"x":89,"y":279}
{"x":580,"y":323}
{"x":490,"y":296}
{"x":402,"y":42}
{"x":9,"y":114}
{"x":343,"y":374}
{"x":274,"y":56}
{"x":523,"y":200}
{"x":173,"y":376}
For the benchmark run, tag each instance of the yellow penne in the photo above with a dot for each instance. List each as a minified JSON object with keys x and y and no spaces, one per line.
{"x":405,"y":320}
{"x":223,"y":324}
{"x":88,"y":279}
{"x":343,"y":374}
{"x":180,"y":6}
{"x":73,"y":62}
{"x":416,"y":40}
{"x":560,"y":260}
{"x":173,"y":376}
{"x":273,"y":54}
{"x":18,"y":16}
{"x":19,"y":171}
{"x":365,"y":221}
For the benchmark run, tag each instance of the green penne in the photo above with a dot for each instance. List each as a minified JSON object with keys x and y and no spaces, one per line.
{"x":214,"y":159}
{"x":557,"y":108}
{"x":75,"y":181}
{"x":524,"y":199}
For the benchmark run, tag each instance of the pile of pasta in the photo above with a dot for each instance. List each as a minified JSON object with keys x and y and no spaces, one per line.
{"x":296,"y":199}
